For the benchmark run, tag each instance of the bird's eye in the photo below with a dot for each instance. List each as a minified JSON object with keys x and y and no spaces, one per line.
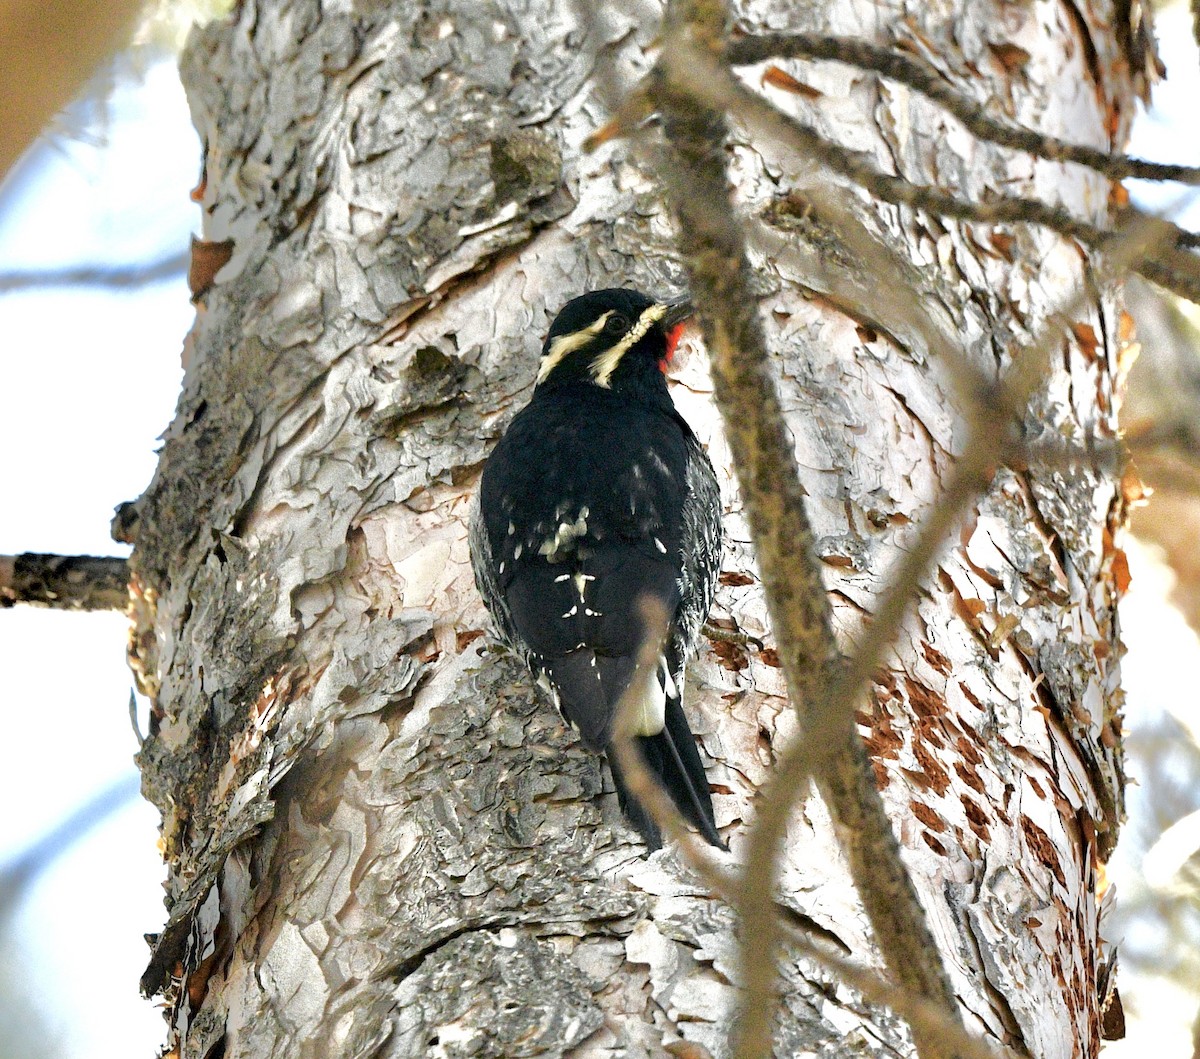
{"x":616,"y":325}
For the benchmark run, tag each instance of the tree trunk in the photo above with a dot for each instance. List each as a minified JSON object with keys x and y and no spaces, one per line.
{"x":380,"y":840}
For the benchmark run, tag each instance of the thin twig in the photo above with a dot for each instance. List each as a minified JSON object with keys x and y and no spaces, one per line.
{"x":742,"y":639}
{"x":708,"y":82}
{"x":1105,"y":455}
{"x":921,"y":77}
{"x":990,"y":440}
{"x":883,"y":287}
{"x":117,"y":277}
{"x":730,"y":887}
{"x":65,"y":582}
{"x":714,"y":253}
{"x":19,"y":871}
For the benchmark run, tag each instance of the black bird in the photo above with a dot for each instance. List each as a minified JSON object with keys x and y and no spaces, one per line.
{"x":597,"y":494}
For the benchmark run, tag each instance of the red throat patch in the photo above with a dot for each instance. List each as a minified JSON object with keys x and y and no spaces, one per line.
{"x":673,"y":337}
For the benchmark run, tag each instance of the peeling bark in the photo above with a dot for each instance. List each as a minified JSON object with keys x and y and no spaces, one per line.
{"x":380,"y":841}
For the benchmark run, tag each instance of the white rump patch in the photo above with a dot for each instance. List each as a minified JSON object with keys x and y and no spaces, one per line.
{"x":651,"y":715}
{"x":668,"y":684}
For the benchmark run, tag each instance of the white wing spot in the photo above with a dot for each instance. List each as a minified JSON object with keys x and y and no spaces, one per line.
{"x":572,"y":612}
{"x":566,"y":532}
{"x":660,"y":546}
{"x":518,"y":550}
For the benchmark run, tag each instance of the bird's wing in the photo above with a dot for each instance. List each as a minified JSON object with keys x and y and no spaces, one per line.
{"x":485,"y":580}
{"x":701,"y":544}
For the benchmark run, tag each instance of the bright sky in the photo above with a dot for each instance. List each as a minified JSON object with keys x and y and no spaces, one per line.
{"x":91,"y":378}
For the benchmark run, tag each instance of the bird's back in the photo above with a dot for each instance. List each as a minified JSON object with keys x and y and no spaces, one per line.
{"x":585,"y":500}
{"x":598,"y":495}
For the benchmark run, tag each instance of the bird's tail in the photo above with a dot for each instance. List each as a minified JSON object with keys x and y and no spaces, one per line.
{"x":673,"y":760}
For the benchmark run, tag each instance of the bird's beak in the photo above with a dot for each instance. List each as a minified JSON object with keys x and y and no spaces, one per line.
{"x":677,"y":312}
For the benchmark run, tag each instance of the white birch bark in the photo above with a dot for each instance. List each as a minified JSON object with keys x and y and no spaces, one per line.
{"x":380,"y":841}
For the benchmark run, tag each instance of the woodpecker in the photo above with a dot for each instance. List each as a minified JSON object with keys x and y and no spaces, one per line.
{"x":597,"y":494}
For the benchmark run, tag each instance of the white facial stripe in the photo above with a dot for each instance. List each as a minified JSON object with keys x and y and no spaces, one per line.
{"x":567,"y":344}
{"x":604,"y":365}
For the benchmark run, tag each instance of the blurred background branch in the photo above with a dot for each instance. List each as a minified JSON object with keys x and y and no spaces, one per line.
{"x":1162,"y":427}
{"x":114,"y":277}
{"x":47,"y":53}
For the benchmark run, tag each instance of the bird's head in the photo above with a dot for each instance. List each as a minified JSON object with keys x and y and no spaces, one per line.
{"x":616,"y":339}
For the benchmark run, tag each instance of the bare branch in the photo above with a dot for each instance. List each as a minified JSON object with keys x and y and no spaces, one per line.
{"x":743,"y":639}
{"x":731,"y":888}
{"x":716,"y":87}
{"x":990,"y":440}
{"x":47,"y":52}
{"x":17,"y":873}
{"x":714,"y":253}
{"x":923,"y":1015}
{"x":1105,"y":455}
{"x":65,"y":582}
{"x":118,"y":277}
{"x":919,"y":76}
{"x":881,"y":286}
